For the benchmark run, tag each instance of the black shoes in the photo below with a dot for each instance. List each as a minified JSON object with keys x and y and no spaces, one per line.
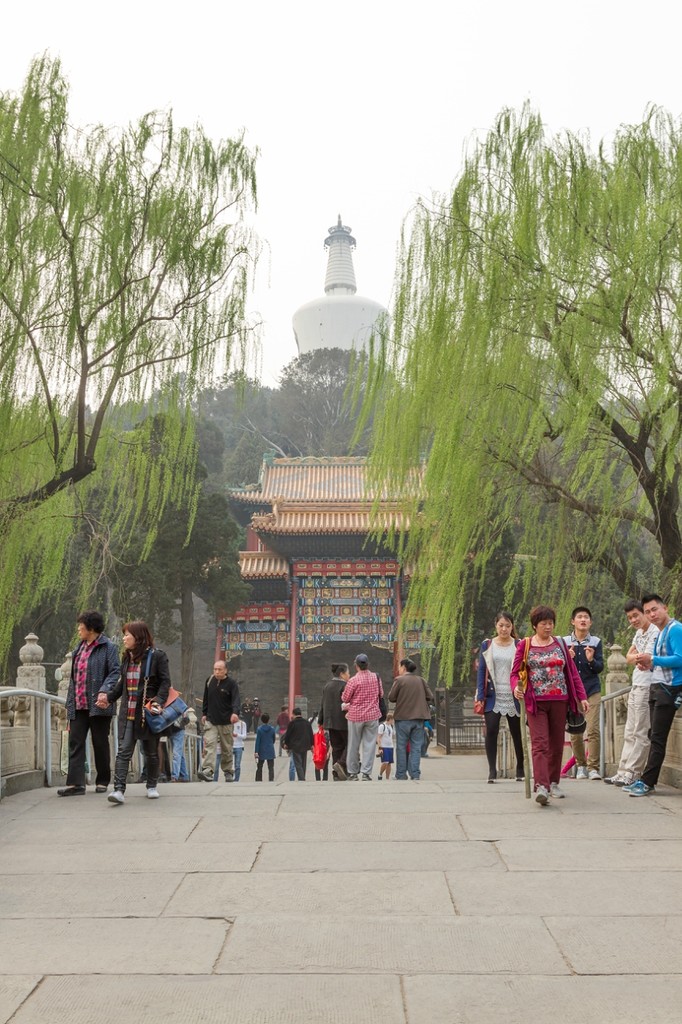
{"x":71,"y":791}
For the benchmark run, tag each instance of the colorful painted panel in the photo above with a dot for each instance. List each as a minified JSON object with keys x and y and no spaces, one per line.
{"x":354,"y":608}
{"x":257,"y":628}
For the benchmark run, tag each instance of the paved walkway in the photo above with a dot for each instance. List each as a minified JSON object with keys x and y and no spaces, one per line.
{"x":437,"y":902}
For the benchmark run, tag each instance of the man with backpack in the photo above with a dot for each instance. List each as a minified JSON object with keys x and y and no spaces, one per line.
{"x":220,"y":712}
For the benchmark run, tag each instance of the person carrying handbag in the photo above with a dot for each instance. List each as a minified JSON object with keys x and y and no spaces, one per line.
{"x":144,"y":677}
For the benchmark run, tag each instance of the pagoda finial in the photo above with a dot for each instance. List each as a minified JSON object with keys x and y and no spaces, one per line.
{"x":340,"y":279}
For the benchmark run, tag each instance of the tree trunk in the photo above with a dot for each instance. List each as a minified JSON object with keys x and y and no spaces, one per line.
{"x":187,"y":642}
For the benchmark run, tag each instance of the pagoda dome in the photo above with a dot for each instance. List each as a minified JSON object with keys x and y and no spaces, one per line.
{"x":340,"y":318}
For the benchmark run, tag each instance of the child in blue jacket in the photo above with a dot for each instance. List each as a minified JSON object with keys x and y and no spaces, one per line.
{"x":265,"y":748}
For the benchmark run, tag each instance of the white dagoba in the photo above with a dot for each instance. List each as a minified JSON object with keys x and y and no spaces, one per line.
{"x":340,"y":318}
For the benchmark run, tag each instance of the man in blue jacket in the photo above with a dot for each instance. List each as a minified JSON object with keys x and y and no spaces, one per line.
{"x":95,"y":666}
{"x":265,"y":748}
{"x":587,"y":653}
{"x":666,"y":697}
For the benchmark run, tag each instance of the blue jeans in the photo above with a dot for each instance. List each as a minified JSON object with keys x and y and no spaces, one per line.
{"x":408,"y":731}
{"x":292,"y":768}
{"x":237,"y":754}
{"x":179,"y":766}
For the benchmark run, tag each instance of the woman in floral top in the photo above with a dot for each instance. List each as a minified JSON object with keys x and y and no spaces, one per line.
{"x":553,"y":686}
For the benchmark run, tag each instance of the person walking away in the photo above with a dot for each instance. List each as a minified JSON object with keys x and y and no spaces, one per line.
{"x":636,"y":742}
{"x":588,"y":655}
{"x":385,"y":744}
{"x":552,"y":686}
{"x":238,"y":737}
{"x":220,"y":712}
{"x":282,"y":723}
{"x":144,"y":678}
{"x":493,"y":687}
{"x":265,"y":748}
{"x":94,"y":666}
{"x":666,"y":696}
{"x":412,"y":697}
{"x":298,"y":739}
{"x":333,"y":718}
{"x":360,"y":701}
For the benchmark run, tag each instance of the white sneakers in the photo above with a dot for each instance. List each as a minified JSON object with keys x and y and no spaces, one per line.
{"x":581,"y":773}
{"x":116,"y":797}
{"x":594,"y":775}
{"x":153,"y":794}
{"x":556,"y":792}
{"x":541,"y":795}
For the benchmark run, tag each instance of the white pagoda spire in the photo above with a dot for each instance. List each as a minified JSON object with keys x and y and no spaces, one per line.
{"x":340,"y":318}
{"x":340,"y":279}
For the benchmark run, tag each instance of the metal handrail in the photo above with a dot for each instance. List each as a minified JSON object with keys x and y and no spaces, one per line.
{"x":49,"y":698}
{"x":602,"y":724}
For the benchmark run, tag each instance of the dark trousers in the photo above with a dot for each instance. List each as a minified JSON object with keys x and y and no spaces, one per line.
{"x":663,"y":711}
{"x":322,"y":774}
{"x":300,"y":762}
{"x":492,"y":730}
{"x":338,"y":739}
{"x":547,"y":727}
{"x":126,"y":746}
{"x":271,"y":769}
{"x":99,"y":726}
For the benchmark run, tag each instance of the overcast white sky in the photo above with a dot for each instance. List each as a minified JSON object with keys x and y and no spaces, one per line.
{"x":357,"y":108}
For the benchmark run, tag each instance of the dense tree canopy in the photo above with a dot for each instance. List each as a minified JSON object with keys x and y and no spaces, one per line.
{"x":535,"y":363}
{"x":124,"y":265}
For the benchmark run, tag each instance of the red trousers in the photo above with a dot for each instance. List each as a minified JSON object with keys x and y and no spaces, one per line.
{"x":547,"y":727}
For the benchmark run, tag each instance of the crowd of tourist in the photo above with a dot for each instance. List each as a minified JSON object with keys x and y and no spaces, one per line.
{"x":550,"y":680}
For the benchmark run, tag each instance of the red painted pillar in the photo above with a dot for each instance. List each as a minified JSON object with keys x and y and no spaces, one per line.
{"x":219,"y":644}
{"x":294,"y":649}
{"x":397,"y":645}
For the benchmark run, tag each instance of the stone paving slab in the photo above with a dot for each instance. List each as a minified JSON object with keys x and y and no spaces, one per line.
{"x":374,"y":801}
{"x":422,"y":893}
{"x":290,"y":944}
{"x":591,"y":893}
{"x":14,"y":991}
{"x":327,"y":826}
{"x":124,"y":895}
{"x":141,"y":857}
{"x":137,"y":805}
{"x":596,"y":945}
{"x":28,"y":831}
{"x":81,"y":946}
{"x":572,"y":826}
{"x":454,"y":999}
{"x":592,"y":854}
{"x":281,"y":999}
{"x":384,"y":856}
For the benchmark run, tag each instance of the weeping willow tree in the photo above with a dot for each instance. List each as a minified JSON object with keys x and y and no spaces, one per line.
{"x":535,"y":367}
{"x":124,"y":267}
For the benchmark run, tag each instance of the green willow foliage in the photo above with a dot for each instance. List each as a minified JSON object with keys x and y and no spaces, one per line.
{"x":124,"y":267}
{"x":534,"y":366}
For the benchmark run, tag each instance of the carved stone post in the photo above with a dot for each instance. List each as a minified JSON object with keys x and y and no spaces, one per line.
{"x":617,"y":677}
{"x":31,"y":676}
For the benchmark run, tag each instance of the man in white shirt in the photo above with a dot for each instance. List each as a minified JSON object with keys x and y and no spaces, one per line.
{"x":636,"y":736}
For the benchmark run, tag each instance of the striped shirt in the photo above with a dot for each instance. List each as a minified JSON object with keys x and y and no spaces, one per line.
{"x":133,"y":688}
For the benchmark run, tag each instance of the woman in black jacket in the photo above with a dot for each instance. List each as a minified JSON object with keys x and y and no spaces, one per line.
{"x":144,"y":676}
